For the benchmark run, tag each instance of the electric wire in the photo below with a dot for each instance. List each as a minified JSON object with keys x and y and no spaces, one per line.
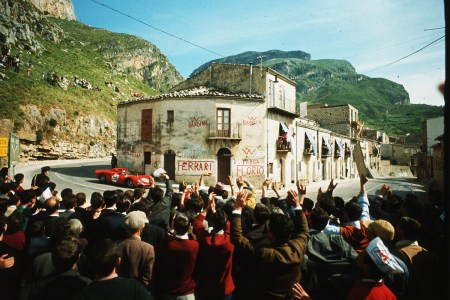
{"x":157,"y":29}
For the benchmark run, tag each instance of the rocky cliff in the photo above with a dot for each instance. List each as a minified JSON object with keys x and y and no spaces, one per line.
{"x":62,"y":9}
{"x":64,"y":105}
{"x":22,"y":26}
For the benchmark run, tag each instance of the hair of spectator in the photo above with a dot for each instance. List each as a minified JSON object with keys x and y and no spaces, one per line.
{"x":57,"y":229}
{"x":104,"y":257}
{"x":76,"y":227}
{"x":353,"y":211}
{"x":110,"y":198}
{"x":261,"y":213}
{"x":65,"y":254}
{"x":26,"y":196}
{"x":19,"y":177}
{"x":97,"y":200}
{"x":194,"y":203}
{"x":138,"y":193}
{"x":181,"y":223}
{"x":156,"y":194}
{"x":81,"y":199}
{"x":219,"y":220}
{"x":66,"y":193}
{"x":319,"y":218}
{"x":410,"y":228}
{"x":15,"y":222}
{"x":281,"y":227}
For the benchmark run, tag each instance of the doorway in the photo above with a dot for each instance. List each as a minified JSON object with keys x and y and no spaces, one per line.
{"x":223,"y":164}
{"x":169,"y":163}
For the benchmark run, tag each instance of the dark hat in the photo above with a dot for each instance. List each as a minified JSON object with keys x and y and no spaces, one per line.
{"x":45,"y":169}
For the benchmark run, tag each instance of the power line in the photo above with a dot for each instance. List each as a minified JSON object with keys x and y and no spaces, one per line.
{"x":406,"y":56}
{"x":434,"y":28}
{"x":158,"y":29}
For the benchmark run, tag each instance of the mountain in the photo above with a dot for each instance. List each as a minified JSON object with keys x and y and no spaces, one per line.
{"x":382,"y":104}
{"x":66,"y":107}
{"x":254,"y":58}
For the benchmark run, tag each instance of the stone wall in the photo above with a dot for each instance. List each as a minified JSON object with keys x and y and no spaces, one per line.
{"x":52,"y":135}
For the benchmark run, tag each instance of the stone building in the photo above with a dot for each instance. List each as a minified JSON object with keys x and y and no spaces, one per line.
{"x":342,"y":119}
{"x":230,"y":120}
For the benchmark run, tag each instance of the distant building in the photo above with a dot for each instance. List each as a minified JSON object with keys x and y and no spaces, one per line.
{"x":432,"y":128}
{"x":429,"y":161}
{"x":342,"y":119}
{"x":399,"y":154}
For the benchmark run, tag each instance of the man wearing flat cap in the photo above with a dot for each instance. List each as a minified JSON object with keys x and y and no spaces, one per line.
{"x":137,"y":257}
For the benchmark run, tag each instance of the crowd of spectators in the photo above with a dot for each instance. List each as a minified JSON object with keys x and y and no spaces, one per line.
{"x":215,"y":242}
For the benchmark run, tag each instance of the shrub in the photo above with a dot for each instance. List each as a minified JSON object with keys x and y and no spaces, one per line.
{"x":53,"y":122}
{"x":39,"y":135}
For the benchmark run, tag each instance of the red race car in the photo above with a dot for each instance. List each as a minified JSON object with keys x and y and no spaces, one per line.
{"x":122,"y":176}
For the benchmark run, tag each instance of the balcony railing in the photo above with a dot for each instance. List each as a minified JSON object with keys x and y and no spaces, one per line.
{"x":283,"y":145}
{"x":233,"y":132}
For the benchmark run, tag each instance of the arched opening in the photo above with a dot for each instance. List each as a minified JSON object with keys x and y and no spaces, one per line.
{"x":223,"y":164}
{"x":169,"y":163}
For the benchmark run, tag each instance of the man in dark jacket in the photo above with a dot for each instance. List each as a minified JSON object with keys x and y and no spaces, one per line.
{"x":281,"y":263}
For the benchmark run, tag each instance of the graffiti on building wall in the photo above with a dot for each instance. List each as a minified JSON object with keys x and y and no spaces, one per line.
{"x":129,"y":131}
{"x":250,"y":167}
{"x":249,"y":151}
{"x":197,"y":122}
{"x":193,"y":151}
{"x":130,"y":154}
{"x":250,"y":121}
{"x":194,"y":166}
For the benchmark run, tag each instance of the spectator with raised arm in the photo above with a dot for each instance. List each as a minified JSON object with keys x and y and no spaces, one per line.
{"x":352,"y":228}
{"x":281,"y":263}
{"x":162,"y":203}
{"x":215,"y":254}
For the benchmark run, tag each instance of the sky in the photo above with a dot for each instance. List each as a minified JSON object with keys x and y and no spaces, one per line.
{"x":370,"y":34}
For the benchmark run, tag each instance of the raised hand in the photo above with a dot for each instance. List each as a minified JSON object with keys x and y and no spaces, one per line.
{"x":267,"y":182}
{"x":293,"y":198}
{"x":363,"y":179}
{"x":212,"y":202}
{"x":241,"y":200}
{"x":319,"y":195}
{"x":331,"y":186}
{"x":301,"y":189}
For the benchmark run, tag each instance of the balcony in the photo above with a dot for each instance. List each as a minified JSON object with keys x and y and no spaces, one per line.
{"x":283,"y":145}
{"x":337,"y":153}
{"x":326,"y":152}
{"x":308,"y":151}
{"x":232,"y":133}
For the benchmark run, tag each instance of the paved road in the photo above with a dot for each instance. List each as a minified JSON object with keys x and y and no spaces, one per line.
{"x":79,"y":176}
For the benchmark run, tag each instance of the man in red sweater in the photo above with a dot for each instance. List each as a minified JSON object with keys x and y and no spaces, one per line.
{"x":175,"y":263}
{"x":216,"y":252}
{"x":374,"y":262}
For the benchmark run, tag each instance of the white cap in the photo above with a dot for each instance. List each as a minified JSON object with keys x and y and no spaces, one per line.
{"x":384,"y":260}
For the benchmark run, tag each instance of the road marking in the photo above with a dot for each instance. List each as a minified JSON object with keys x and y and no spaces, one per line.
{"x":76,"y":183}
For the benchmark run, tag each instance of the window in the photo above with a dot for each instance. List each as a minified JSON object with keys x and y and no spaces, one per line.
{"x":170,"y":116}
{"x":146,"y":125}
{"x":223,"y":122}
